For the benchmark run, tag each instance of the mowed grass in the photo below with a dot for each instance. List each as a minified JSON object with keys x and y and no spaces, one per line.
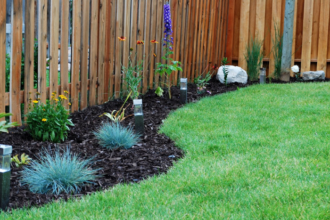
{"x":258,"y":153}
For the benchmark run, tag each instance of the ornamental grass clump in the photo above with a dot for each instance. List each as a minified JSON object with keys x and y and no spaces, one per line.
{"x":113,"y":136}
{"x":254,"y":57}
{"x":57,"y":172}
{"x":50,"y":121}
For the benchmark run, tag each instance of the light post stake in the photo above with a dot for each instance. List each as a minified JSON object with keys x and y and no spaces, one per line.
{"x":5,"y":160}
{"x":138,"y":116}
{"x":262,"y":75}
{"x":183,"y":90}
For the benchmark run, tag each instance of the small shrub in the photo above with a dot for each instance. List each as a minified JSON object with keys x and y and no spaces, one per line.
{"x":57,"y":172}
{"x":114,"y":135}
{"x":201,"y":82}
{"x":4,"y":125}
{"x":50,"y":121}
{"x":25,"y":160}
{"x":254,"y":58}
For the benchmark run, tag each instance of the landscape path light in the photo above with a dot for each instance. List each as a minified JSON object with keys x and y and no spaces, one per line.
{"x":262,"y":75}
{"x":5,"y":160}
{"x":183,"y":90}
{"x":138,"y":116}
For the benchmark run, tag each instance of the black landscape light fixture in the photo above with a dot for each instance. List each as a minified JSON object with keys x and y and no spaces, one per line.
{"x":138,"y":116}
{"x":5,"y":160}
{"x":183,"y":90}
{"x":262,"y":75}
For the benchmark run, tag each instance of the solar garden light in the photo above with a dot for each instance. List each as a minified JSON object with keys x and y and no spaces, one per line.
{"x":138,"y":116}
{"x":183,"y":90}
{"x":5,"y":160}
{"x":262,"y":75}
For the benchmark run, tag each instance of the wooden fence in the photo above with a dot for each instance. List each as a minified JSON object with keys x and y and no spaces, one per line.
{"x":199,"y":32}
{"x":311,"y":50}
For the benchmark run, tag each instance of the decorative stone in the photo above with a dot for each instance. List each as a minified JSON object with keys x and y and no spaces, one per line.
{"x":313,"y":75}
{"x":235,"y":75}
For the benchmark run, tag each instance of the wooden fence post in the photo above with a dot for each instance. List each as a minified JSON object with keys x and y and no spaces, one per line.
{"x":2,"y":56}
{"x":15,"y":65}
{"x":287,"y":40}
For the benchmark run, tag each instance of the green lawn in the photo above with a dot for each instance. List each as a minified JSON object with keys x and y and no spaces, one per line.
{"x":258,"y":153}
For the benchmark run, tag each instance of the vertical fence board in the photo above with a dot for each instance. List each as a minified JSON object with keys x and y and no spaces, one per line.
{"x":177,"y":39}
{"x":140,"y":32}
{"x":16,"y":57}
{"x":64,"y":49}
{"x":205,"y":40}
{"x":195,"y":56}
{"x":2,"y":56}
{"x":189,"y":39}
{"x":54,"y":29}
{"x":174,"y":12}
{"x":119,"y":32}
{"x":108,"y":49}
{"x":307,"y":36}
{"x":153,"y":46}
{"x":184,"y":37}
{"x":76,"y":53}
{"x":84,"y":54}
{"x":244,"y":33}
{"x":102,"y":21}
{"x":93,"y":52}
{"x":323,"y":36}
{"x":146,"y":46}
{"x":276,"y":17}
{"x":294,"y":37}
{"x":316,"y":26}
{"x":126,"y":50}
{"x":113,"y":46}
{"x":42,"y":49}
{"x":230,"y":33}
{"x":29,"y":54}
{"x":260,"y":20}
{"x":209,"y":57}
{"x":215,"y":38}
{"x":199,"y":39}
{"x":159,"y":35}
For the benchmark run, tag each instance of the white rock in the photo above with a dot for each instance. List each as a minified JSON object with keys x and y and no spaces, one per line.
{"x":313,"y":75}
{"x":235,"y":75}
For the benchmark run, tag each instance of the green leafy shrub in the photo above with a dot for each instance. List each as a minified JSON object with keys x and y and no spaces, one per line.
{"x":4,"y":125}
{"x":254,"y":57}
{"x":57,"y":172}
{"x":114,"y":135}
{"x":50,"y":121}
{"x":277,"y":51}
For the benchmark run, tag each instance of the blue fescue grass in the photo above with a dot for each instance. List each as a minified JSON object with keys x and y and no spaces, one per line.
{"x":58,"y":172}
{"x":114,"y":135}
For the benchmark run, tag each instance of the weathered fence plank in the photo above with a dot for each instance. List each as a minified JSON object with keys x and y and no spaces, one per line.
{"x":2,"y":56}
{"x":42,"y":49}
{"x":29,"y":54}
{"x":323,"y":36}
{"x":64,"y":50}
{"x":307,"y":36}
{"x":16,"y":57}
{"x":54,"y":29}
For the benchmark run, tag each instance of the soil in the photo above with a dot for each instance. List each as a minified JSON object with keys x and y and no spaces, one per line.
{"x":155,"y":154}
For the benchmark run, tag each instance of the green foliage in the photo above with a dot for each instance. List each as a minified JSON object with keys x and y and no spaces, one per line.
{"x":114,"y":135}
{"x":4,"y":125}
{"x":277,"y":51}
{"x":224,"y":62}
{"x":57,"y":172}
{"x":159,"y":91}
{"x":202,"y":82}
{"x":133,"y":75}
{"x":118,"y":116}
{"x":50,"y":121}
{"x":167,"y":68}
{"x":254,"y":57}
{"x":25,"y":160}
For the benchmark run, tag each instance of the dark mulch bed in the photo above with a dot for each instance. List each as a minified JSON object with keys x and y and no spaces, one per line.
{"x":155,"y":154}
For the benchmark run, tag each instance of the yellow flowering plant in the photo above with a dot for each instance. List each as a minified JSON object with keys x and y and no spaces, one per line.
{"x":50,"y":121}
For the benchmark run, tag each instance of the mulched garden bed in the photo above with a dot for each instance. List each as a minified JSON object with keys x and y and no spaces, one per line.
{"x":154,"y":155}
